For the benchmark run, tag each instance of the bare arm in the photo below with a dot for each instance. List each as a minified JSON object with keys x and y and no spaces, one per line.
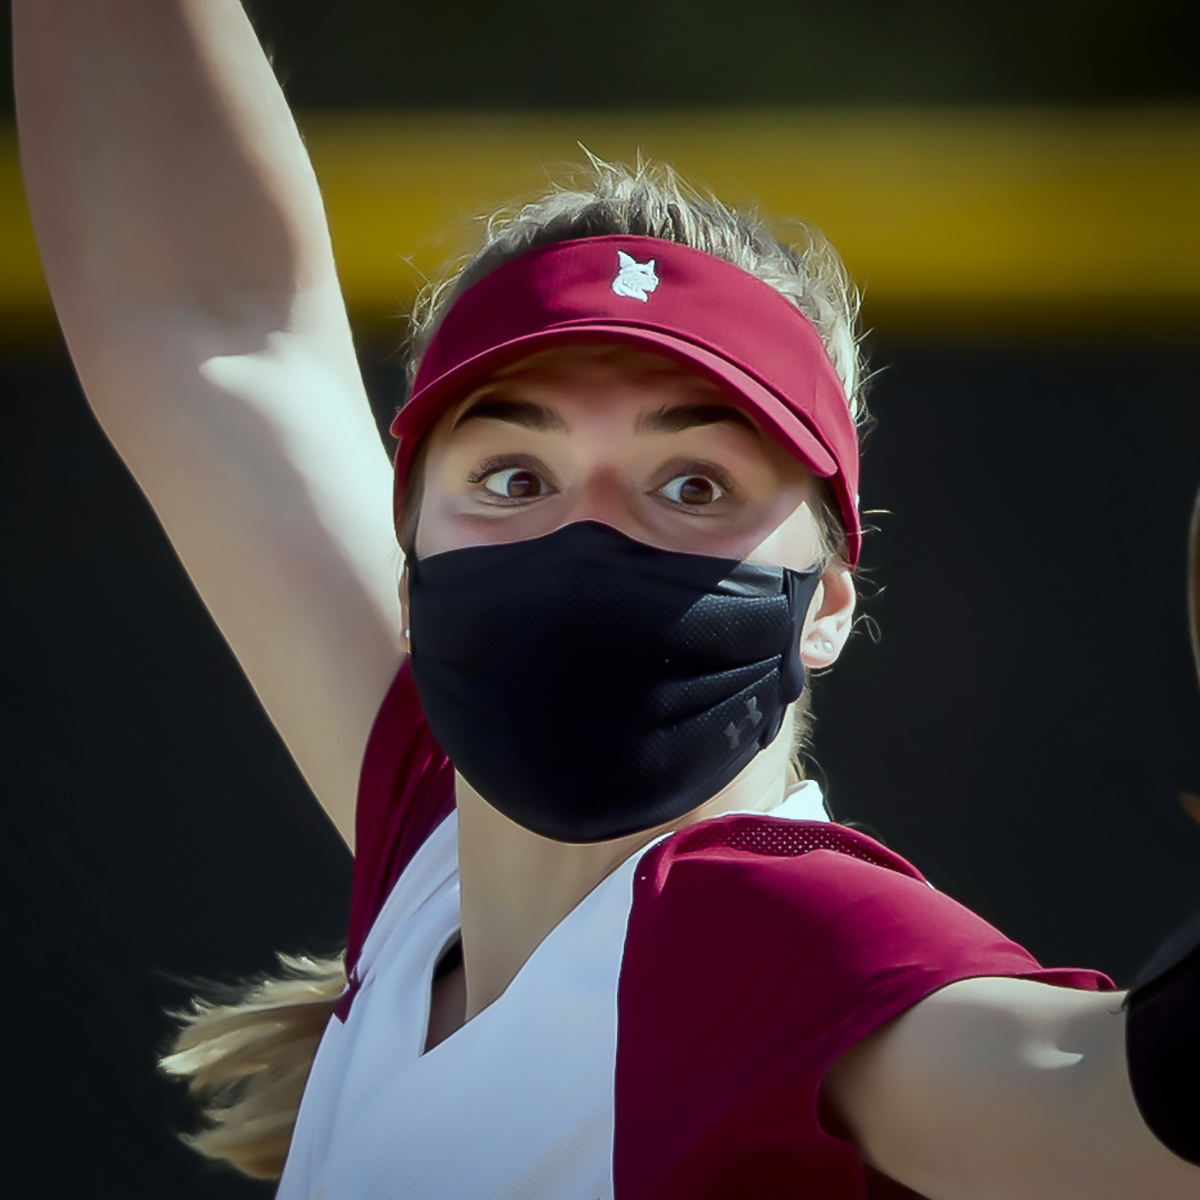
{"x":185,"y":244}
{"x":997,"y":1088}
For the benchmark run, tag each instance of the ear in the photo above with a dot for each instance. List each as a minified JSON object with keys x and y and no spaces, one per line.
{"x":404,"y":609}
{"x":830,"y":619}
{"x":624,"y":259}
{"x":649,"y":266}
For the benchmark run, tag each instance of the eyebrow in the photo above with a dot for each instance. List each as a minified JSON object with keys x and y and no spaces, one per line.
{"x":515,"y":412}
{"x":691,"y":416}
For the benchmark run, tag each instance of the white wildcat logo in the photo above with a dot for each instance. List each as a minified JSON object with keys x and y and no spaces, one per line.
{"x":635,"y":280}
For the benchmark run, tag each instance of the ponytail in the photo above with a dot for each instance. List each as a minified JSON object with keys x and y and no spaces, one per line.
{"x":246,"y":1054}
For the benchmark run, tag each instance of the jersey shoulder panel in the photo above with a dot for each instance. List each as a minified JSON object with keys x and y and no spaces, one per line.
{"x":757,"y":951}
{"x":406,"y":790}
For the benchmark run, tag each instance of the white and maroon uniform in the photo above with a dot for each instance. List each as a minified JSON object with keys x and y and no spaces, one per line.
{"x":666,"y":1041}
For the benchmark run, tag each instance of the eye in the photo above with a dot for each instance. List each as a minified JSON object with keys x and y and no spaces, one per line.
{"x":691,"y":490}
{"x":515,"y":483}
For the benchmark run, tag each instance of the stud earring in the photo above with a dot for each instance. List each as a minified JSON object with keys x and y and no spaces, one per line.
{"x":826,"y":646}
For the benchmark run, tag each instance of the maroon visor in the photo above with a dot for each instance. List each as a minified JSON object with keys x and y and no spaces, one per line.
{"x":713,"y":317}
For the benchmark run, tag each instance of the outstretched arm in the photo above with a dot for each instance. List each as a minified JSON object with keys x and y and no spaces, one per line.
{"x":185,"y":245}
{"x":994,"y":1088}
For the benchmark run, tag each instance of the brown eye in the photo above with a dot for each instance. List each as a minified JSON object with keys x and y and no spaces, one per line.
{"x":692,"y":489}
{"x":513,"y":483}
{"x":696,"y":490}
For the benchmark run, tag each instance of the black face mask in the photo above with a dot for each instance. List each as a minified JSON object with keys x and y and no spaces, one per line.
{"x":589,"y":686}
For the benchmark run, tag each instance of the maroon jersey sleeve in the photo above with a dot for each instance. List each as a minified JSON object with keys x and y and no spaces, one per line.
{"x":758,"y":950}
{"x":405,"y":791}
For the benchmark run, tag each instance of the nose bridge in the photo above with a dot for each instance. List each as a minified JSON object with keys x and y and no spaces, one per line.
{"x":603,"y":494}
{"x":604,"y":452}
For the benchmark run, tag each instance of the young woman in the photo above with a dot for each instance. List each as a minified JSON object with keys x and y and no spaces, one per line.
{"x":603,"y":941}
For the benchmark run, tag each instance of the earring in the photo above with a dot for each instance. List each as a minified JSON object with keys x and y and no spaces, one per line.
{"x":826,"y":646}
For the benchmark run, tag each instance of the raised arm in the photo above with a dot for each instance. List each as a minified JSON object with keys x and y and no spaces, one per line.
{"x":185,"y":245}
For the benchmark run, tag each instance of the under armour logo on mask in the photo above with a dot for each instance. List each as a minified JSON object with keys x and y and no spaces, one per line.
{"x":634,"y":280}
{"x":749,"y":722}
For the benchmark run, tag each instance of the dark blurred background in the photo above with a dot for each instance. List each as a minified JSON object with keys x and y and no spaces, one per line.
{"x":634,"y":53}
{"x":1018,"y":718}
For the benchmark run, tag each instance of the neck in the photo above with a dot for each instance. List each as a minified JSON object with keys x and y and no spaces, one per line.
{"x":517,"y":886}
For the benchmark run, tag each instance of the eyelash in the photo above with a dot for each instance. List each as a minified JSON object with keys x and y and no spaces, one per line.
{"x":508,"y":462}
{"x":500,"y":463}
{"x":705,"y":470}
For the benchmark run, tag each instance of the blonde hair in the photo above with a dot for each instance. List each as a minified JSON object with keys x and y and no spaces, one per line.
{"x":651,"y":200}
{"x":246,"y":1053}
{"x":247,"y":1057}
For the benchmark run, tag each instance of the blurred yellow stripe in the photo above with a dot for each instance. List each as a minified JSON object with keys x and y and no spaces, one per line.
{"x":1032,"y":219}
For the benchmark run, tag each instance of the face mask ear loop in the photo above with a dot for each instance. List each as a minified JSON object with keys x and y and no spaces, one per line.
{"x":799,"y":587}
